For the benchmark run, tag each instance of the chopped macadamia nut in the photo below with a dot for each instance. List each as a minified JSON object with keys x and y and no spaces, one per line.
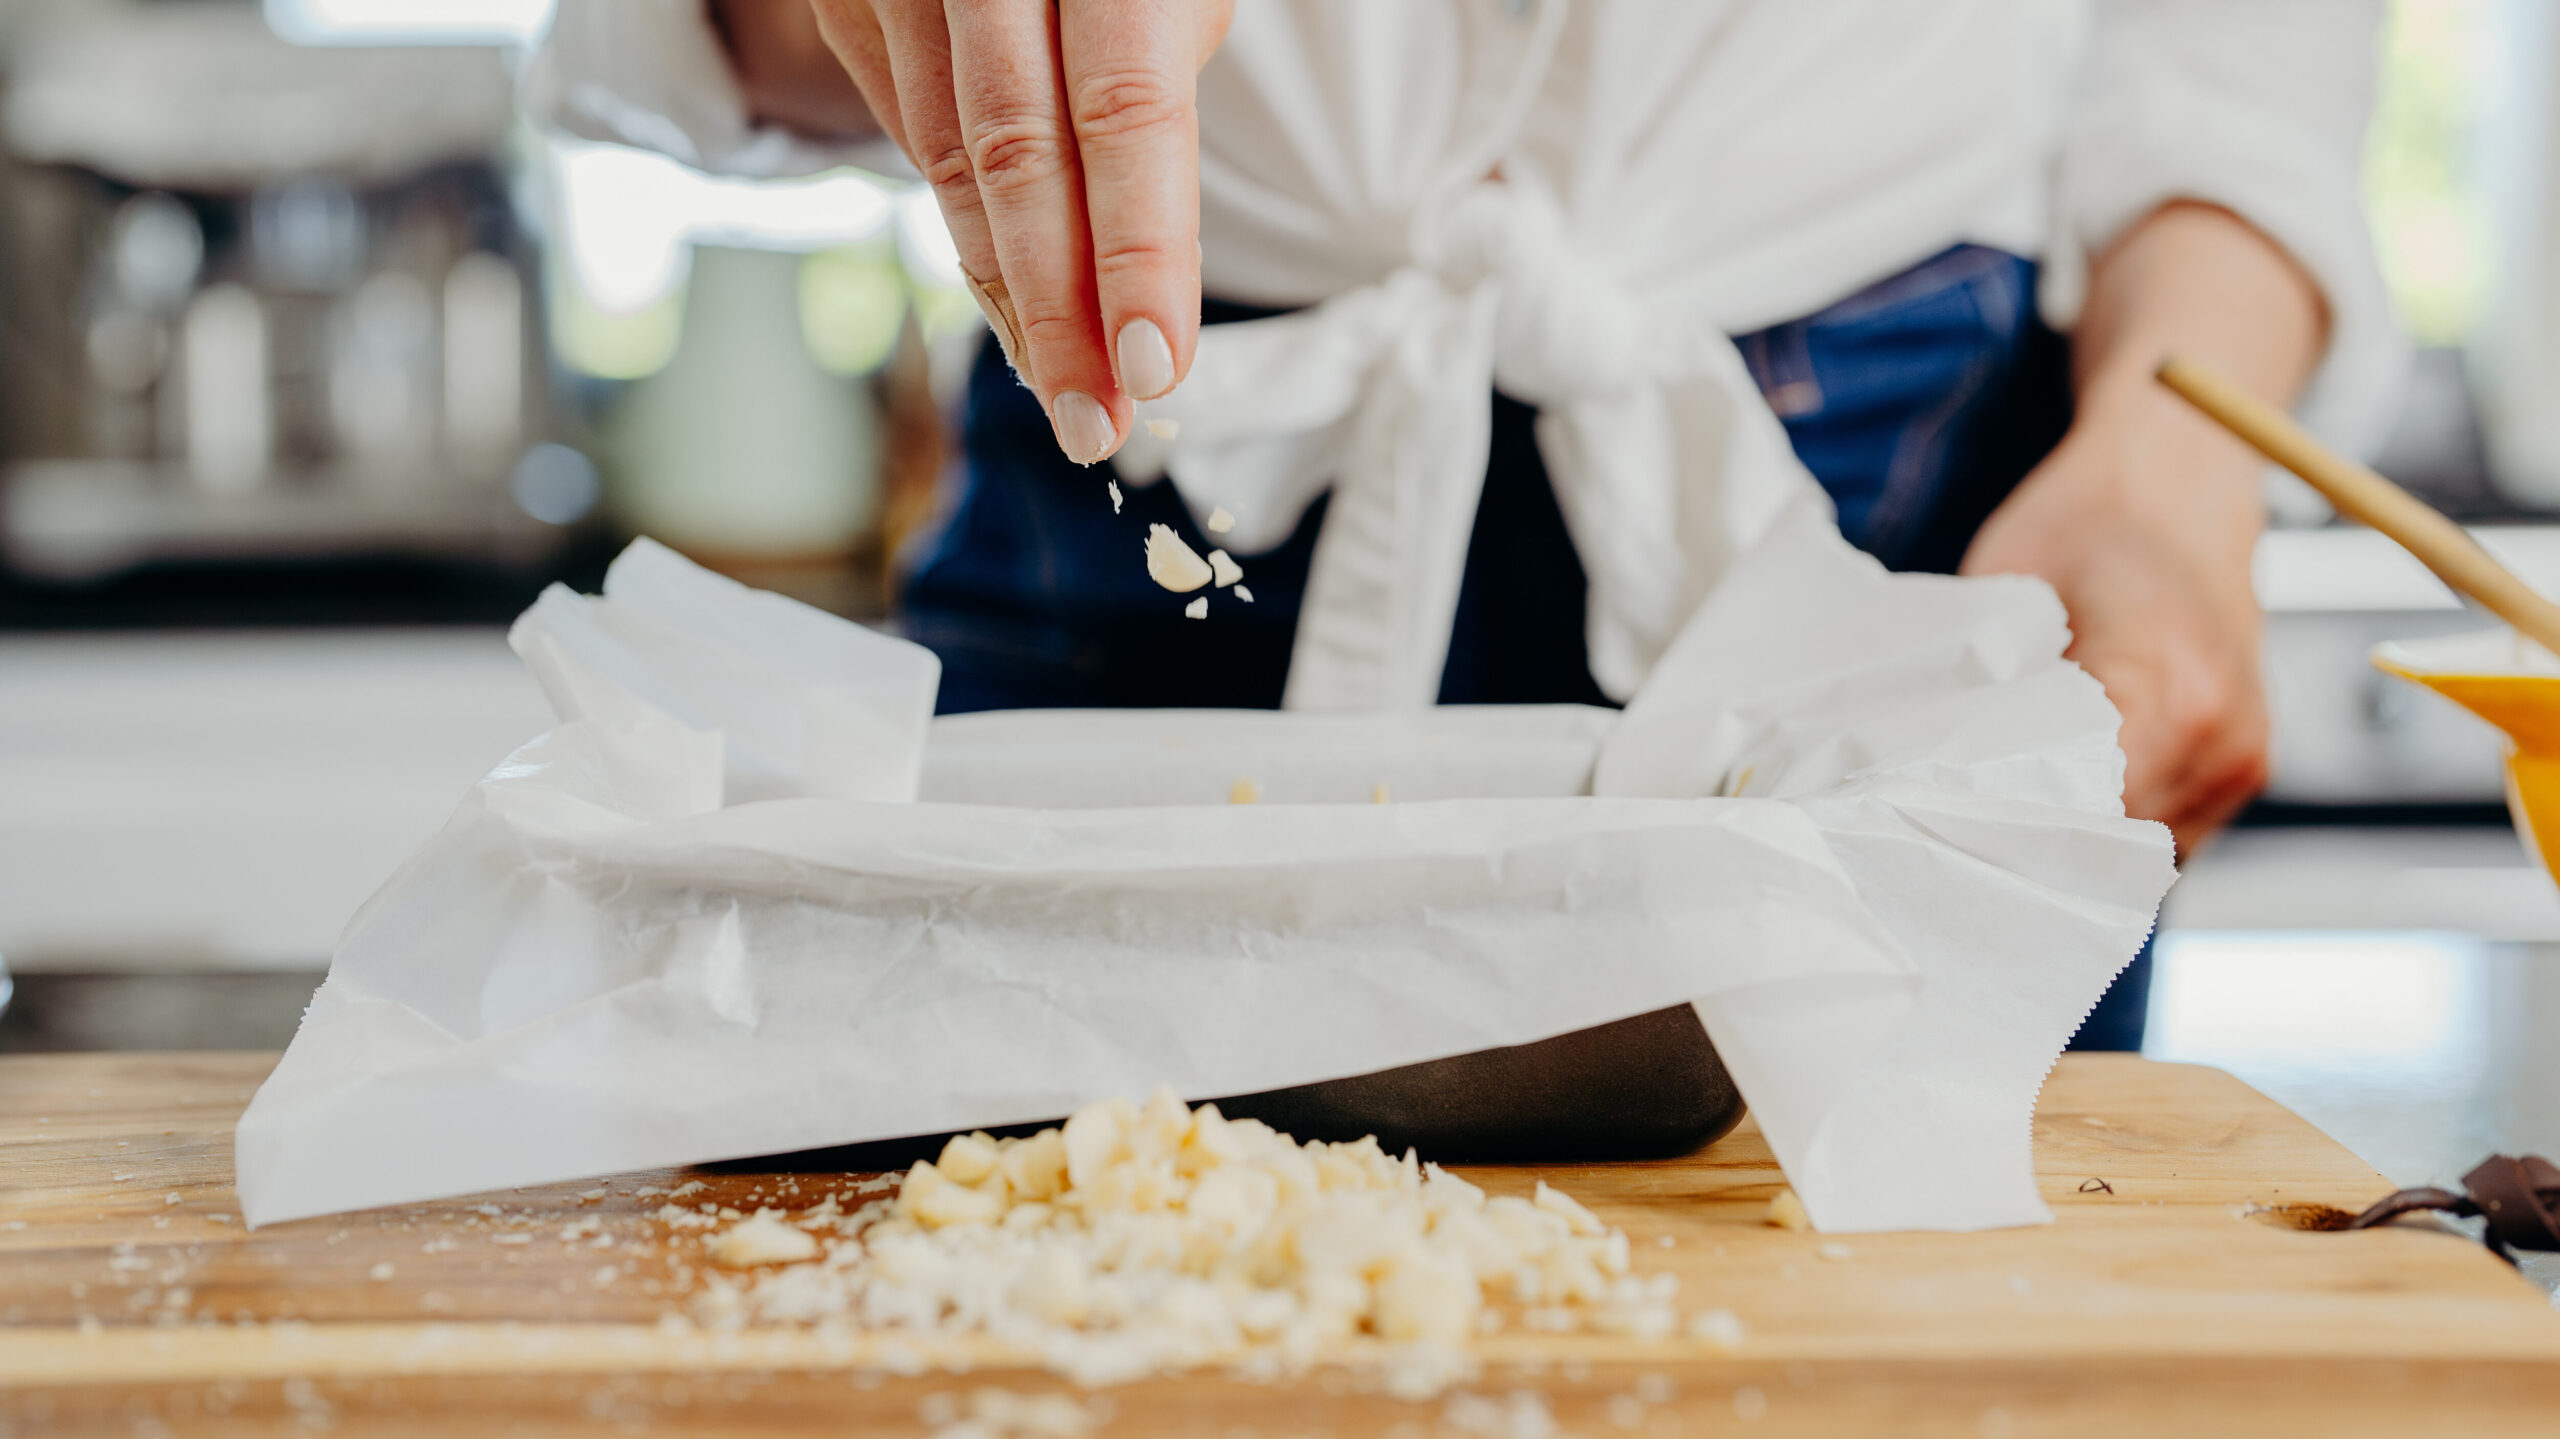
{"x":1377,"y":794}
{"x":1220,"y":521}
{"x":1787,"y":1212}
{"x":1164,"y":429}
{"x":1115,"y":495}
{"x":1719,"y":1327}
{"x":765,"y":1239}
{"x":1244,"y":791}
{"x":1196,"y":610}
{"x":1224,"y":568}
{"x":1244,"y":594}
{"x":1142,"y":1239}
{"x":1173,"y":564}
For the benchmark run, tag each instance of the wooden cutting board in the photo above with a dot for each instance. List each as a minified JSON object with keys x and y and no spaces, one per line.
{"x":131,"y":1301}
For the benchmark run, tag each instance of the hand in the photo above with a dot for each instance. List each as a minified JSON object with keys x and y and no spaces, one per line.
{"x":2146,"y":517}
{"x":1062,"y":144}
{"x":2161,"y":608}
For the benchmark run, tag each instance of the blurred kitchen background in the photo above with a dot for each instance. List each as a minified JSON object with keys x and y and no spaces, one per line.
{"x":317,"y":363}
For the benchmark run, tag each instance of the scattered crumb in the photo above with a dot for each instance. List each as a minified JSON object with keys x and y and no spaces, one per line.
{"x":1663,"y":1241}
{"x":1197,"y":610}
{"x":1787,"y":1212}
{"x":593,"y":1193}
{"x":1164,"y":429}
{"x":1521,"y":1414}
{"x":765,"y":1239}
{"x":1244,"y":791}
{"x":992,"y":1413}
{"x":172,"y":1199}
{"x":1377,"y":794}
{"x":1657,"y":1388}
{"x":1220,"y":521}
{"x":380,"y":1271}
{"x":1115,"y":495}
{"x":1835,"y":1250}
{"x":1244,"y":594}
{"x":1749,"y":1403}
{"x":1224,"y":568}
{"x":1719,"y":1327}
{"x":1173,"y":564}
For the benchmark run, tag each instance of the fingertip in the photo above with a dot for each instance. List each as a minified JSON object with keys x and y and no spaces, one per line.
{"x":1145,"y":360}
{"x":1084,"y":427}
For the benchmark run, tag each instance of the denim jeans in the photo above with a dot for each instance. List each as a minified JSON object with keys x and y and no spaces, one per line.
{"x":1919,"y":403}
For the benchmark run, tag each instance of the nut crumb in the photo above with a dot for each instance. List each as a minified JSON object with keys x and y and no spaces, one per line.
{"x":1787,"y":1212}
{"x":1172,"y":563}
{"x":1220,"y":521}
{"x":1164,"y":429}
{"x":1721,"y":1328}
{"x":765,"y":1239}
{"x":1197,"y":610}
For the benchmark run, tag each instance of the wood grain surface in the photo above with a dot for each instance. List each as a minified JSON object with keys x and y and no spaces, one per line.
{"x":2164,"y":1299}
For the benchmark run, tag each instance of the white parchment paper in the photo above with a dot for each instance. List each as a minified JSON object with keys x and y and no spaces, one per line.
{"x":747,"y":898}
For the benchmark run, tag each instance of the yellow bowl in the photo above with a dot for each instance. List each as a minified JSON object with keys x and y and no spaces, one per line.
{"x":2514,"y":684}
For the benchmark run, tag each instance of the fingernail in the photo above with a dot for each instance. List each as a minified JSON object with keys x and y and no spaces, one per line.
{"x":1146,"y":361}
{"x":1084,"y":427}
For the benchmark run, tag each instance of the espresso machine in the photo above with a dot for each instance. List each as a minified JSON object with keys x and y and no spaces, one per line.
{"x":273,"y":349}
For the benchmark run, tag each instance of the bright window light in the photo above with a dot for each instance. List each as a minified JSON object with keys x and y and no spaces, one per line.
{"x":924,"y":242}
{"x":852,"y":304}
{"x":2382,"y":999}
{"x":629,"y":219}
{"x":408,"y":22}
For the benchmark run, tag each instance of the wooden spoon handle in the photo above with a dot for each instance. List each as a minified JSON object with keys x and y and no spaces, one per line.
{"x":2418,"y":527}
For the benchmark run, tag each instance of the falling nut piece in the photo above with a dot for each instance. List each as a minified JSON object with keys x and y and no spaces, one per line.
{"x":1197,"y":610}
{"x":1220,"y":521}
{"x":1224,"y":567}
{"x":1115,"y":495}
{"x":1244,"y":791}
{"x":1244,"y":594}
{"x":1164,"y":429}
{"x":1173,"y":564}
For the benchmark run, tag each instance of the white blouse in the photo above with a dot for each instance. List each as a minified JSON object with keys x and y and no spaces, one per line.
{"x":1577,"y":201}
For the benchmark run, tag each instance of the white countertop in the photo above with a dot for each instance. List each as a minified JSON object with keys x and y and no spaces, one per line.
{"x":228,"y":799}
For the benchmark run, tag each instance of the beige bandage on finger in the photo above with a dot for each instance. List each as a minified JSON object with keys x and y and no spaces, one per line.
{"x":998,"y":308}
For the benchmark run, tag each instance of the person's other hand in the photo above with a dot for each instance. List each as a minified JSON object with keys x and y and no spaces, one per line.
{"x":2161,"y":608}
{"x":1061,"y":141}
{"x":2146,"y":517}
